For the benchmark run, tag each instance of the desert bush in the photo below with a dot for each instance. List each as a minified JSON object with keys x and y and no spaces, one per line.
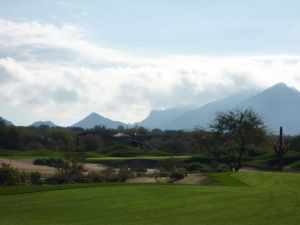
{"x":52,"y":162}
{"x":162,"y":172}
{"x":56,"y":179}
{"x":124,"y":174}
{"x":10,"y":176}
{"x":109,"y":175}
{"x":95,"y":176}
{"x":215,"y":166}
{"x":40,"y":162}
{"x":35,"y":178}
{"x":139,"y":171}
{"x":194,"y":167}
{"x":177,"y":174}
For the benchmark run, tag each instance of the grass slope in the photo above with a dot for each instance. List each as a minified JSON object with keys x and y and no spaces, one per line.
{"x":263,"y":198}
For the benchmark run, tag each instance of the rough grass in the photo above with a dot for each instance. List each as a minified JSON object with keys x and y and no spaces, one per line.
{"x":264,"y":198}
{"x":270,"y":160}
{"x":128,"y":151}
{"x":31,"y":154}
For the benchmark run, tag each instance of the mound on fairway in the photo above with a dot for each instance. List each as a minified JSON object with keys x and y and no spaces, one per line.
{"x":257,"y":198}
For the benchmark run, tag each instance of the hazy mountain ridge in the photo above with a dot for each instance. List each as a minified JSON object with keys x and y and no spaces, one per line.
{"x":6,"y":122}
{"x":202,"y":116}
{"x":278,"y":105}
{"x":43,"y":123}
{"x":161,"y":118}
{"x":95,"y":119}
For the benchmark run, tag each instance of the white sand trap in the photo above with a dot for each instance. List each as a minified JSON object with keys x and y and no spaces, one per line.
{"x":94,"y":167}
{"x":27,"y":165}
{"x":194,"y":179}
{"x":141,"y":180}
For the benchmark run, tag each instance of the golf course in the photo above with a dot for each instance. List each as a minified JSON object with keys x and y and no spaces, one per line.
{"x":266,"y":198}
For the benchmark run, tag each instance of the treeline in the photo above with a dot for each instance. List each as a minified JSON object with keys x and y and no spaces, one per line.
{"x":169,"y":141}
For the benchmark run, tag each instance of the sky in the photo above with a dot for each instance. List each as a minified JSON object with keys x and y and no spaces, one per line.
{"x":63,"y":59}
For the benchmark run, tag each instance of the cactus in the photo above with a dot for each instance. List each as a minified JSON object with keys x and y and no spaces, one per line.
{"x":280,"y":149}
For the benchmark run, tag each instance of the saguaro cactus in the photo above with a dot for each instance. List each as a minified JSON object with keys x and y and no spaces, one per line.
{"x":280,"y":149}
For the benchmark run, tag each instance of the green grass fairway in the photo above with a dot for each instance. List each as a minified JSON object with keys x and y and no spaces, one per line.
{"x":32,"y":154}
{"x":253,"y":198}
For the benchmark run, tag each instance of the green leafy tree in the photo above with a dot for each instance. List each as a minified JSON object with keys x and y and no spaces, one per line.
{"x":90,"y":142}
{"x":235,"y":132}
{"x":71,"y":169}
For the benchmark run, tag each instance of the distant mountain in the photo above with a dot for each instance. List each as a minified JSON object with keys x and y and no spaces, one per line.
{"x":43,"y":123}
{"x":6,"y":122}
{"x":95,"y":119}
{"x":161,"y":118}
{"x":202,"y":116}
{"x":279,"y":105}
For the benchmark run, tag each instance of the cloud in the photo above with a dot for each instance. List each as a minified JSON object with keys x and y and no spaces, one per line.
{"x":55,"y":73}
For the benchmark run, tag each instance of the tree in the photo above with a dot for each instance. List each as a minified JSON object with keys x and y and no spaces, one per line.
{"x":14,"y":138}
{"x":280,"y":149}
{"x":71,"y":169}
{"x":235,"y":132}
{"x":90,"y":142}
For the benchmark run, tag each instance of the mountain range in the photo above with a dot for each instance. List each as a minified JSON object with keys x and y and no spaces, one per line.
{"x":278,"y":105}
{"x":6,"y":122}
{"x":43,"y":123}
{"x":95,"y":119}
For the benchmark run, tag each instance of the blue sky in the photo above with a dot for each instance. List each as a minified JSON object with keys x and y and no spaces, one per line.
{"x":231,"y":27}
{"x":63,"y":59}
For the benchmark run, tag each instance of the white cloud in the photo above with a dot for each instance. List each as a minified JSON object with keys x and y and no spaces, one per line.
{"x":54,"y":72}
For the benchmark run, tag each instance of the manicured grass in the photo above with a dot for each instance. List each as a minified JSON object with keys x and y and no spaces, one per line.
{"x":32,"y":154}
{"x":226,"y":179}
{"x":264,"y":198}
{"x":270,"y":161}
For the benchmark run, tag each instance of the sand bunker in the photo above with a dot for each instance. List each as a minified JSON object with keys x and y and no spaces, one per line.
{"x":27,"y":165}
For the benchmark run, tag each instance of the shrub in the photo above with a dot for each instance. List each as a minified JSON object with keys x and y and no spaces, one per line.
{"x":109,"y":175}
{"x":218,"y":167}
{"x":52,"y":162}
{"x":124,"y":174}
{"x":40,"y":162}
{"x":35,"y":178}
{"x":56,"y":179}
{"x":194,"y":166}
{"x":94,"y":176}
{"x":10,"y":176}
{"x":162,"y":172}
{"x":139,"y":171}
{"x":177,"y":175}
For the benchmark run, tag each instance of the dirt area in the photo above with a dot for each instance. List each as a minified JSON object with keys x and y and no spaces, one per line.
{"x":148,"y":180}
{"x":189,"y":179}
{"x":194,"y":179}
{"x":248,"y":169}
{"x":94,"y":167}
{"x":27,"y":165}
{"x":142,"y":180}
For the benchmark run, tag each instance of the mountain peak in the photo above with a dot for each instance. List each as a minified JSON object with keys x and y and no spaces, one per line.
{"x":280,"y":85}
{"x":280,"y":89}
{"x":95,"y":119}
{"x":43,"y":123}
{"x":93,"y":114}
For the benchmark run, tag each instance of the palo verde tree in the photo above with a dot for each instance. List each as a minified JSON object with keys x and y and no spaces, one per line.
{"x":235,"y":132}
{"x":280,"y":149}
